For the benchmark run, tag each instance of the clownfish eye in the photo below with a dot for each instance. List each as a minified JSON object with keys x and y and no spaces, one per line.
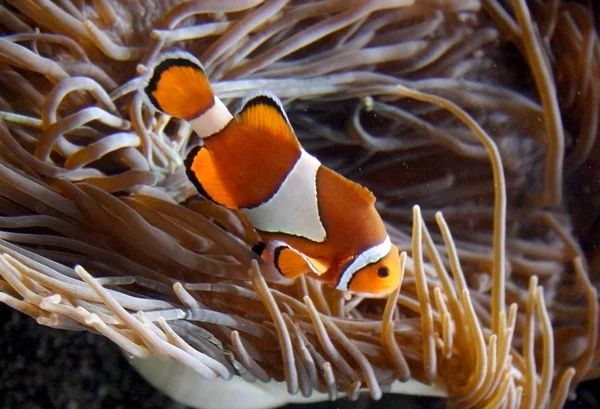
{"x":383,"y":272}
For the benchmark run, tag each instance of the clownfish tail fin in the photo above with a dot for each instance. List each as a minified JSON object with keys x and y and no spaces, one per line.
{"x":178,"y":86}
{"x":264,"y":112}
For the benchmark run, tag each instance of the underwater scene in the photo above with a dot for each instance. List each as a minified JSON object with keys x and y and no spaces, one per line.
{"x":252,"y":204}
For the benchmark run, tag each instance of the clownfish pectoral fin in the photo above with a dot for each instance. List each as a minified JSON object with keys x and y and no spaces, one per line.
{"x":320,"y":266}
{"x":290,"y":262}
{"x":202,"y":171}
{"x":264,"y":112}
{"x":178,"y":86}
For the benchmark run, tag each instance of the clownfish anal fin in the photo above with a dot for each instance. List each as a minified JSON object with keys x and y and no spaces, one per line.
{"x":178,"y":86}
{"x":290,"y":262}
{"x":265,"y":113}
{"x":204,"y":174}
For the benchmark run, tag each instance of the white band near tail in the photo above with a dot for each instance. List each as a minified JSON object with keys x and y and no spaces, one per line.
{"x":369,"y":256}
{"x":213,"y":120}
{"x":294,"y":208}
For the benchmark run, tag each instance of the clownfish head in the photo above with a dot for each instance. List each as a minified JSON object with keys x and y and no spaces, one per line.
{"x":376,"y":271}
{"x":381,"y":277}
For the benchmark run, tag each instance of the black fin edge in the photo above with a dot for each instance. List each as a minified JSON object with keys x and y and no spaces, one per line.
{"x":276,"y":254}
{"x":263,"y":98}
{"x":159,"y":69}
{"x":189,"y":160}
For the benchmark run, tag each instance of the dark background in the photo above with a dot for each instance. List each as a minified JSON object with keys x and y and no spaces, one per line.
{"x":44,"y":368}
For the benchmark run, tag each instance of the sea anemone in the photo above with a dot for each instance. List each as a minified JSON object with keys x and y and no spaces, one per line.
{"x":474,"y":117}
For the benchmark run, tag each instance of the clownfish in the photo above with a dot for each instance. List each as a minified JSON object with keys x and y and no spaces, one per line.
{"x":311,"y":219}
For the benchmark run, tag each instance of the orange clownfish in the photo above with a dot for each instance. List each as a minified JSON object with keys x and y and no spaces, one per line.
{"x":311,"y":219}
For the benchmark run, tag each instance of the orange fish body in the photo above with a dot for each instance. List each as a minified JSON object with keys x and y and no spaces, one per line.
{"x":312,"y":220}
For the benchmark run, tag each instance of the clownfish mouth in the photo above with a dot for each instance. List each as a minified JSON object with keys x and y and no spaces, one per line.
{"x":381,"y":292}
{"x":375,"y":295}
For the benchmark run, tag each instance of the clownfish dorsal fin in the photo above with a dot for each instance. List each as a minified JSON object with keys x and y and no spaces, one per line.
{"x":265,"y":112}
{"x":348,"y":189}
{"x":201,"y":170}
{"x":290,"y":262}
{"x":364,"y":193}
